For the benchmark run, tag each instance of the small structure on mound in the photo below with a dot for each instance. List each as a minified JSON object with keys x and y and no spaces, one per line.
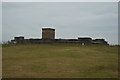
{"x":48,"y":36}
{"x":48,"y":33}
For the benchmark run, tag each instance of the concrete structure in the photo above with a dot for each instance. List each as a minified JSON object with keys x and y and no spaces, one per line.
{"x":19,"y":39}
{"x":48,"y":33}
{"x":99,"y":41}
{"x":48,"y":36}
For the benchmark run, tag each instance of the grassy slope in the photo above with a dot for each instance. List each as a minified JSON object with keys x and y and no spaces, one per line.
{"x":60,"y":61}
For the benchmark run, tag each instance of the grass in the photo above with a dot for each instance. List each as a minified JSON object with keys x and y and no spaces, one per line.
{"x":59,"y":61}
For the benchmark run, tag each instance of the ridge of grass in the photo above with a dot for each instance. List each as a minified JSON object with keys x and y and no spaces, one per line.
{"x":59,"y":61}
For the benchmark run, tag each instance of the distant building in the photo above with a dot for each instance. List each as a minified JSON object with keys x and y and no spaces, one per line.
{"x":19,"y":39}
{"x":48,"y":36}
{"x":48,"y":33}
{"x":99,"y":41}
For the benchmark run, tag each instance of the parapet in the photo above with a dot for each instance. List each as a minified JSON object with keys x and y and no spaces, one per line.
{"x":19,"y":38}
{"x":48,"y":29}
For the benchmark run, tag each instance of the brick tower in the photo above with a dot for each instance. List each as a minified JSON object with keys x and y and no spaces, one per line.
{"x":48,"y":33}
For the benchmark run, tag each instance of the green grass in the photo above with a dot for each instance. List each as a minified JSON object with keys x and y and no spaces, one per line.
{"x":59,"y":61}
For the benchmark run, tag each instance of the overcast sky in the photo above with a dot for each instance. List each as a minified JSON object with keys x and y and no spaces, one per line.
{"x":0,"y":22}
{"x":70,"y":19}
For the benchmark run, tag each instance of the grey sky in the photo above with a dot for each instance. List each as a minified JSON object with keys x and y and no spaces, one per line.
{"x":0,"y":22}
{"x":70,"y":19}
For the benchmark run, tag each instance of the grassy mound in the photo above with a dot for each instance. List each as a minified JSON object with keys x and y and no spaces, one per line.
{"x":59,"y":61}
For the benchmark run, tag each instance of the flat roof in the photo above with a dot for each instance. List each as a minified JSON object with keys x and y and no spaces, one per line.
{"x":48,"y":28}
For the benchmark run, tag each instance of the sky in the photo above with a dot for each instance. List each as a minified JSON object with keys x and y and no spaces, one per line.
{"x":98,"y":20}
{"x":0,"y":22}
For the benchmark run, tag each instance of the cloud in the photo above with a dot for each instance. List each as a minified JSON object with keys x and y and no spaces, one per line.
{"x":0,"y":22}
{"x":70,"y":19}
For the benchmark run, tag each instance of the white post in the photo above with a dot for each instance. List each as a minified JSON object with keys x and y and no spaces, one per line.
{"x":83,"y":43}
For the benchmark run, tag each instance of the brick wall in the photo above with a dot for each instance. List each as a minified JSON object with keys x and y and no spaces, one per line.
{"x":48,"y":33}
